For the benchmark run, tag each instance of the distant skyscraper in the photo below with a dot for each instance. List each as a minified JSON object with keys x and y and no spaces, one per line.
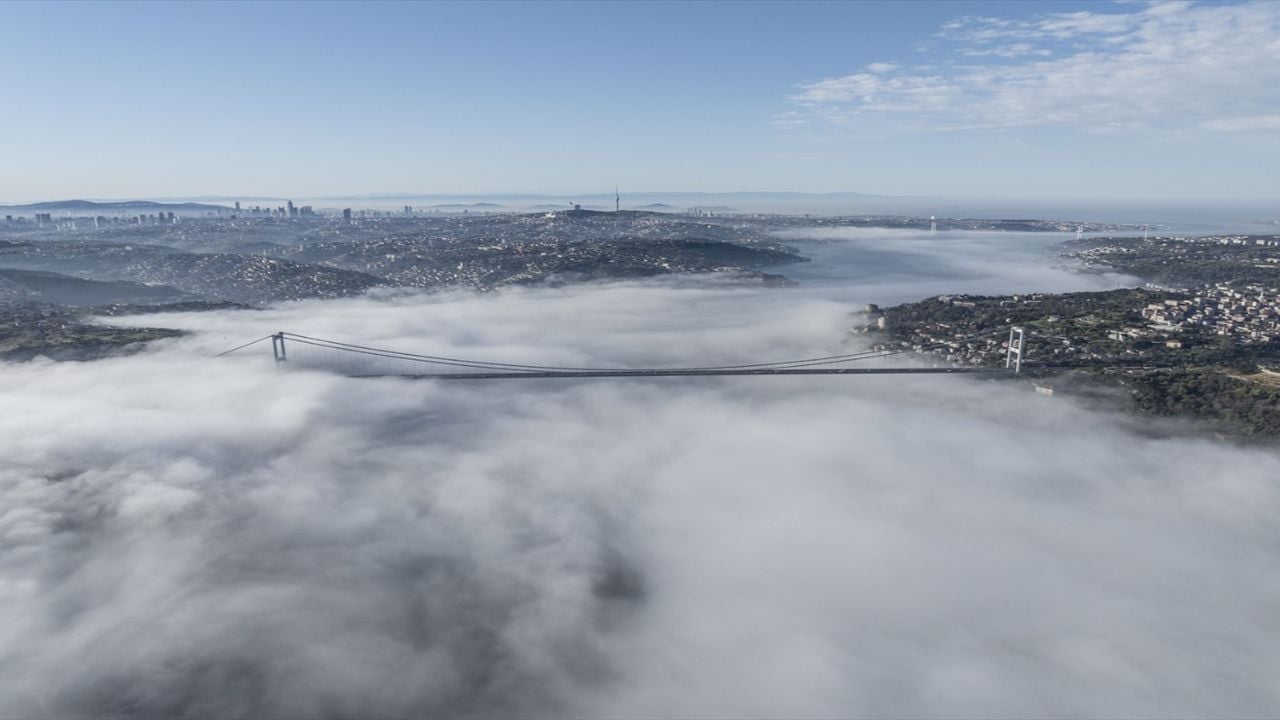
{"x":346,"y":214}
{"x":617,"y":199}
{"x":237,"y":206}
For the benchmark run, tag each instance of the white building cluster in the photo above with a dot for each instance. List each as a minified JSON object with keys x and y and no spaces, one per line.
{"x":1248,"y":313}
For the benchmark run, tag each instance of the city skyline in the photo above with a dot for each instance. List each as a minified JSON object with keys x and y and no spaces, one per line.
{"x":1065,"y":99}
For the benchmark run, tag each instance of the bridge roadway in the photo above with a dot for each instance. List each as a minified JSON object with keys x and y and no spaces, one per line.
{"x":504,"y":371}
{"x":493,"y":371}
{"x":688,"y":373}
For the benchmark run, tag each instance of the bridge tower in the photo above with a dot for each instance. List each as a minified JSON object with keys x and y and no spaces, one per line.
{"x":277,"y":347}
{"x":1013,"y":353}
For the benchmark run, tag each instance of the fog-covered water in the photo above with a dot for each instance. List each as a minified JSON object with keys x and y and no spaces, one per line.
{"x":185,"y":536}
{"x":894,"y":266}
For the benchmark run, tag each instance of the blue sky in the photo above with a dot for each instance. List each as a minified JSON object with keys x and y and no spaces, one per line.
{"x":1063,"y":100}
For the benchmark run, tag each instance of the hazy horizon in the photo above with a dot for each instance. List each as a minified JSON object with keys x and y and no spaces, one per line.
{"x":1189,"y":214}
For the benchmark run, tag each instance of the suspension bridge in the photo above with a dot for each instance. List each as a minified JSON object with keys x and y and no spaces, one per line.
{"x":356,"y":360}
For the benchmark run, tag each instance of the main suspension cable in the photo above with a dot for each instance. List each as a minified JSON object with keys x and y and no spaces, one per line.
{"x":241,"y":347}
{"x":490,"y":365}
{"x":436,"y":359}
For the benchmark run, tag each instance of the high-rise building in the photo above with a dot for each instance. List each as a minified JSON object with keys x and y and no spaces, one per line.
{"x":237,"y":206}
{"x":346,"y":214}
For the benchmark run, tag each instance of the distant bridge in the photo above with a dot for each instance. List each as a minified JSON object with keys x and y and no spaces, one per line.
{"x":366,"y":362}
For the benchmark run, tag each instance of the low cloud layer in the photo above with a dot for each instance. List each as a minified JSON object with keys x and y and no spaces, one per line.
{"x":890,"y":266}
{"x":192,"y":538}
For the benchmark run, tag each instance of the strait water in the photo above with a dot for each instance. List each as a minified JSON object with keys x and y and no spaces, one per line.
{"x":893,"y":266}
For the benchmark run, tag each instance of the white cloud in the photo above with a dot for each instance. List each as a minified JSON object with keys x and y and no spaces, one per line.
{"x":228,"y":539}
{"x":876,"y":92}
{"x":1162,"y":65}
{"x":791,"y":119}
{"x":1006,"y":51}
{"x":1059,"y":26}
{"x":1260,"y":122}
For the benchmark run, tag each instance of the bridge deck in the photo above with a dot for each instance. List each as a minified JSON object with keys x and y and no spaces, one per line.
{"x":688,"y":373}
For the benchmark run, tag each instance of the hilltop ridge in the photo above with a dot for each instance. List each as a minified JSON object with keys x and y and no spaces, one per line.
{"x":83,"y":205}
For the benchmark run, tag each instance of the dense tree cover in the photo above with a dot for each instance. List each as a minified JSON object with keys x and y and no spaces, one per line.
{"x":1240,"y":406}
{"x":1077,"y":330}
{"x":31,"y":330}
{"x":1109,"y":308}
{"x":1184,"y":263}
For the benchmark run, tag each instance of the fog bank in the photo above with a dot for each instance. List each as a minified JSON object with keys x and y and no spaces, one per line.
{"x":184,"y":537}
{"x":892,"y":266}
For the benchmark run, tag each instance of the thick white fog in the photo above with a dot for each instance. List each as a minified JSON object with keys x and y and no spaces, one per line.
{"x":191,"y":537}
{"x":890,"y":266}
